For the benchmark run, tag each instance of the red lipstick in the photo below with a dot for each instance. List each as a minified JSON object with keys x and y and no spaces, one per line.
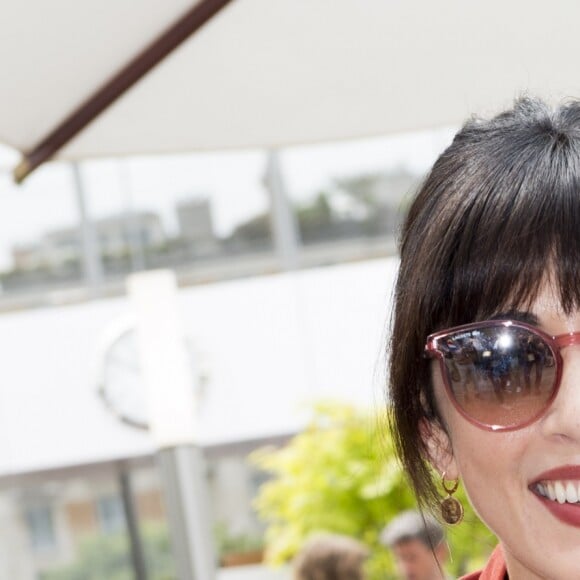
{"x":563,"y":472}
{"x":568,"y":513}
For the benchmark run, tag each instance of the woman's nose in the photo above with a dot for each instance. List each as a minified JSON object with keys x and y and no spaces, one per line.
{"x":562,"y":419}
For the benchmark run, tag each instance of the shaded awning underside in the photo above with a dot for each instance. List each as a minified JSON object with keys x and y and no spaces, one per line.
{"x":267,"y":73}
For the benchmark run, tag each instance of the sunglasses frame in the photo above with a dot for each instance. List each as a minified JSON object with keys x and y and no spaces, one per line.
{"x":555,"y":344}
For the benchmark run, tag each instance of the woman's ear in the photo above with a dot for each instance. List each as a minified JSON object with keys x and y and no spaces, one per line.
{"x":439,"y":449}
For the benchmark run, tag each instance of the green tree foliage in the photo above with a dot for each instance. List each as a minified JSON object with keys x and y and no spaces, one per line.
{"x":341,"y":476}
{"x":315,"y":218}
{"x":255,"y":229}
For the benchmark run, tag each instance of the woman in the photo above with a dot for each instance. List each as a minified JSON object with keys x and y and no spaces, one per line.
{"x":490,"y":268}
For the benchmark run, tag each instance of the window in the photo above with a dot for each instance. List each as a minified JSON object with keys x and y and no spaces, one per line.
{"x":40,"y":523}
{"x":111,"y":514}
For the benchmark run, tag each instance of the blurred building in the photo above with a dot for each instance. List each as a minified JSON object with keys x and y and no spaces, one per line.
{"x":116,"y":235}
{"x":196,"y":226}
{"x":47,"y":515}
{"x":195,"y":219}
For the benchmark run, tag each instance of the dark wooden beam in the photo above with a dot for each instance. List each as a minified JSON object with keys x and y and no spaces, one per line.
{"x":135,"y":70}
{"x":136,"y":548}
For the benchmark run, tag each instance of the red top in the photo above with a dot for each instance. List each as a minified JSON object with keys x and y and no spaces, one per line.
{"x":495,"y":569}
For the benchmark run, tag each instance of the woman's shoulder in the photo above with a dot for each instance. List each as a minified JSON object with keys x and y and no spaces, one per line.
{"x":495,"y":569}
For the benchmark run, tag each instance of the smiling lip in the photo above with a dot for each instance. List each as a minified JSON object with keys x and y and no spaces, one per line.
{"x":568,"y":513}
{"x":563,"y":472}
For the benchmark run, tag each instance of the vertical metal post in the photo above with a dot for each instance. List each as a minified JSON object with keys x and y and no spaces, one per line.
{"x":132,"y":523}
{"x":170,"y":383}
{"x":91,"y":256}
{"x":185,"y":484}
{"x":285,"y":231}
{"x":134,"y":239}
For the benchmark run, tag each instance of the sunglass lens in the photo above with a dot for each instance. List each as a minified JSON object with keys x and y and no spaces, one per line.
{"x":500,"y":376}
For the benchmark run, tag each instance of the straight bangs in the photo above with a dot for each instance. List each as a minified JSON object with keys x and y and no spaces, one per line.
{"x":510,"y":235}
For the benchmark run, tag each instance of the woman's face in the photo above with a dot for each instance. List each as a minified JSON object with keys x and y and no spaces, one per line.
{"x":499,"y":470}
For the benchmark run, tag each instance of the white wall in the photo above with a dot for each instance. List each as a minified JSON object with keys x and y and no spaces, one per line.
{"x":271,"y":345}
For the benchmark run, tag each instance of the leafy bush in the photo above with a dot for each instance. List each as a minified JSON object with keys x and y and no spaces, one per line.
{"x":341,"y":476}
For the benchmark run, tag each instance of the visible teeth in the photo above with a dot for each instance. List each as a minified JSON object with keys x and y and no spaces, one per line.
{"x":571,"y":493}
{"x":560,"y":492}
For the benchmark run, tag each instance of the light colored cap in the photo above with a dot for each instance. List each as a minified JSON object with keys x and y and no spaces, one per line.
{"x":413,"y":525}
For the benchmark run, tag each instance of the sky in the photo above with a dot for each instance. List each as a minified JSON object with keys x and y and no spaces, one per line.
{"x":232,"y":181}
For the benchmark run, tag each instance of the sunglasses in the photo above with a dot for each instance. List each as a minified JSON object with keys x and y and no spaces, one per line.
{"x":501,"y":375}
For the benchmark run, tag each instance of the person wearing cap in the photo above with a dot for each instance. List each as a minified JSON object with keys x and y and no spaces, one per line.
{"x":417,"y":542}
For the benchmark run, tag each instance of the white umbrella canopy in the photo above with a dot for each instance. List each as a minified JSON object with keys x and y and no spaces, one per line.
{"x":269,"y":73}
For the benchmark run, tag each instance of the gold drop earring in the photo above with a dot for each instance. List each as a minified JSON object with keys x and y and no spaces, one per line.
{"x":451,"y":508}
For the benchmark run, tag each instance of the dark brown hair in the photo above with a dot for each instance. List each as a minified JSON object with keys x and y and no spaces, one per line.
{"x":498,"y":212}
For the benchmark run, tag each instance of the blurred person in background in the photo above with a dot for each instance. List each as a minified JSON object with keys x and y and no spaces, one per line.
{"x":331,"y":557}
{"x":417,"y":542}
